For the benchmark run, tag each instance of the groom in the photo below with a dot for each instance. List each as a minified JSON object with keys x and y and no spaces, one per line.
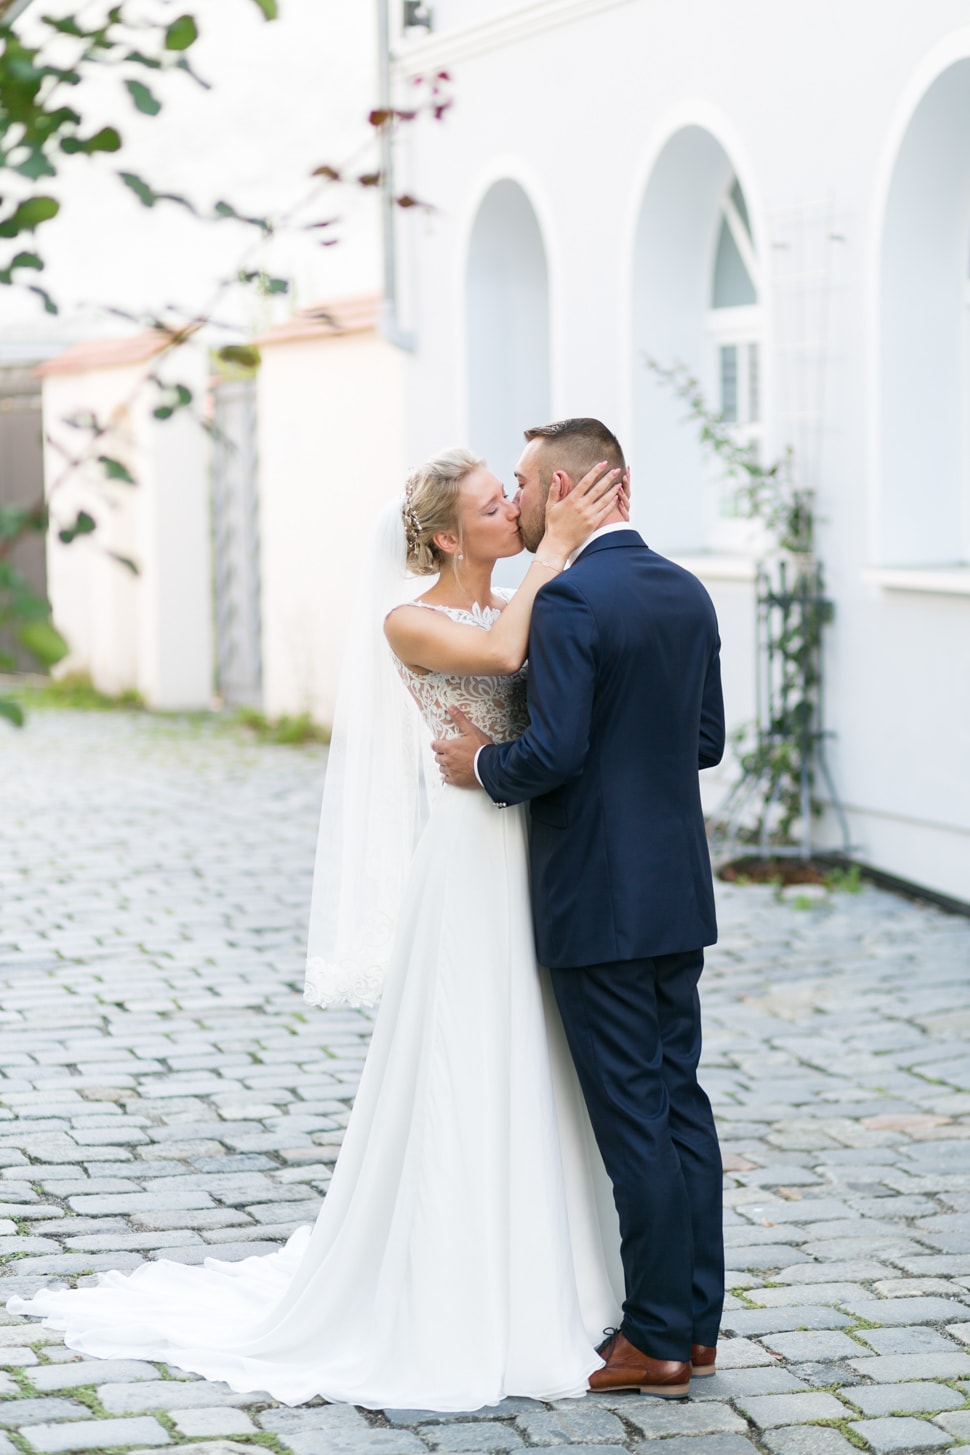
{"x":624,"y":707}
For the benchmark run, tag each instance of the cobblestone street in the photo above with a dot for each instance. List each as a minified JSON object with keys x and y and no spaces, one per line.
{"x":165,"y":1093}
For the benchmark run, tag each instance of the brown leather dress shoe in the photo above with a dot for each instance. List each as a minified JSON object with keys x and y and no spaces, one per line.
{"x":627,"y":1368}
{"x":703,"y":1360}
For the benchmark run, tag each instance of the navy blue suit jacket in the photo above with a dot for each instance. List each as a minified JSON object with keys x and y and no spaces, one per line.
{"x":624,"y":707}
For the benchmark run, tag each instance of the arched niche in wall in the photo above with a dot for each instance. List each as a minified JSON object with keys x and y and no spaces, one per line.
{"x":696,"y":301}
{"x":924,"y":332}
{"x":508,"y":326}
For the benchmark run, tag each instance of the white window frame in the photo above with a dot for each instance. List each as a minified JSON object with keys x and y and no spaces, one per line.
{"x":742,"y":327}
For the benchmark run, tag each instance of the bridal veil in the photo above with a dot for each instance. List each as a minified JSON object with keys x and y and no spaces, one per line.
{"x":375,"y":801}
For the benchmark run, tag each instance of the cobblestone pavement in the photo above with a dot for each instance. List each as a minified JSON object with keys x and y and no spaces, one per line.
{"x":165,"y":1093}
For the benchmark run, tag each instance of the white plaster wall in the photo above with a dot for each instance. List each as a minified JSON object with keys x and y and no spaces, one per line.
{"x":332,"y":452}
{"x":577,"y":101}
{"x":151,"y":633}
{"x":95,"y":600}
{"x":900,"y":708}
{"x":508,"y":323}
{"x":176,"y":625}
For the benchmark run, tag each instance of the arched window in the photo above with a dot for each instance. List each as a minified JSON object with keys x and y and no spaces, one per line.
{"x":924,"y":330}
{"x":733,"y":372}
{"x":697,"y":302}
{"x":508,"y":326}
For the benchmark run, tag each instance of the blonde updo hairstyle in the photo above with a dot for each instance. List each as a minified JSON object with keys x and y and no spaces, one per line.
{"x":431,"y":506}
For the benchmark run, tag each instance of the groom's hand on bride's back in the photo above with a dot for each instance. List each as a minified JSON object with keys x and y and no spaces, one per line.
{"x":456,"y":756}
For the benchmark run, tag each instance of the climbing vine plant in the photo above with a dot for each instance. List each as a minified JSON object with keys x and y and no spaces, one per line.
{"x":781,"y":754}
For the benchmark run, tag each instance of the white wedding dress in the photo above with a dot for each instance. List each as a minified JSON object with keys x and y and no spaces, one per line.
{"x":468,"y":1247}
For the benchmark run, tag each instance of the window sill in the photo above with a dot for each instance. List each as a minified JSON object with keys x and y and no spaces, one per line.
{"x":927,"y":580}
{"x":719,"y":566}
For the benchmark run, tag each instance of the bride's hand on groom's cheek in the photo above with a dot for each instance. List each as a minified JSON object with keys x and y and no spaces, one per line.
{"x":456,"y":756}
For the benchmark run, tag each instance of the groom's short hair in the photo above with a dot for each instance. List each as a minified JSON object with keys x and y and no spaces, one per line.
{"x":575,"y":446}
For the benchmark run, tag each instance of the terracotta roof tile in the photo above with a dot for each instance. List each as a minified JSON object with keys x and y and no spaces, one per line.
{"x":105,"y":353}
{"x":358,"y":314}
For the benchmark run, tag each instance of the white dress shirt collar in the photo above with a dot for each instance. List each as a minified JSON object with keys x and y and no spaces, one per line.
{"x":604,"y":530}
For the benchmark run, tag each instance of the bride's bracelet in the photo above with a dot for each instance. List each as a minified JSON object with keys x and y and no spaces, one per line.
{"x":549,"y":565}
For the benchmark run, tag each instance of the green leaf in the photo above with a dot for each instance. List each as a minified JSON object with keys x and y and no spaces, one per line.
{"x":12,"y":711}
{"x":181,"y":34}
{"x":247,"y":356}
{"x":43,"y":641}
{"x":182,"y":64}
{"x":84,"y":525}
{"x":49,"y":305}
{"x":35,"y":165}
{"x":178,"y":396}
{"x":145,"y":194}
{"x":105,"y":140}
{"x":143,"y":98}
{"x":270,"y":8}
{"x":125,"y":561}
{"x":108,"y":139}
{"x":226,"y":209}
{"x":115,"y":470}
{"x":265,"y":283}
{"x":175,"y":197}
{"x":29,"y":216}
{"x":21,"y":260}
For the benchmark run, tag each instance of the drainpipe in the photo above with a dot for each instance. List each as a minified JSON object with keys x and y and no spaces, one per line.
{"x":390,"y":325}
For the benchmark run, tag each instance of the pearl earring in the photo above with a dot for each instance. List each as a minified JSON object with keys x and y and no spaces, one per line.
{"x":460,"y":556}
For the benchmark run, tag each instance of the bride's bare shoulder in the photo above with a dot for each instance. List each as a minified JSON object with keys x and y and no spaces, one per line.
{"x":403,"y":619}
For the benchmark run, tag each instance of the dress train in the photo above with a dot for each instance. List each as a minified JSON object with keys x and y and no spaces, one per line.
{"x":467,"y":1248}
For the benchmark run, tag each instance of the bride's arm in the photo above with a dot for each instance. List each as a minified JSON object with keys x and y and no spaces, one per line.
{"x":431,"y":640}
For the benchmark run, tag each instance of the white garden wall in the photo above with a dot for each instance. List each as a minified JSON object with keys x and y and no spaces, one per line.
{"x":151,"y":633}
{"x":331,"y":444}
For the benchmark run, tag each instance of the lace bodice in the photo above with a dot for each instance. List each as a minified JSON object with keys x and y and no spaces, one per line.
{"x":496,"y":705}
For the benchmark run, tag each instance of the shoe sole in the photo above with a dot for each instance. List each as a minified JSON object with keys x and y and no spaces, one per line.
{"x":661,"y":1391}
{"x":702,"y":1371}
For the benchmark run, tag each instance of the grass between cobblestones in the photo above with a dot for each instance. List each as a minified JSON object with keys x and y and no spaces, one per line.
{"x":75,"y":692}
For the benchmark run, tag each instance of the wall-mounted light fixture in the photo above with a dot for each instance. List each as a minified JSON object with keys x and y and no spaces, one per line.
{"x":416,"y":13}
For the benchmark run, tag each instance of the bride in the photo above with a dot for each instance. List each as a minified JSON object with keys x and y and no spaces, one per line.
{"x":467,"y":1248}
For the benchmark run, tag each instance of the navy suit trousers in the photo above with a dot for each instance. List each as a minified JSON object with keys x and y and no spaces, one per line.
{"x":634,"y":1030}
